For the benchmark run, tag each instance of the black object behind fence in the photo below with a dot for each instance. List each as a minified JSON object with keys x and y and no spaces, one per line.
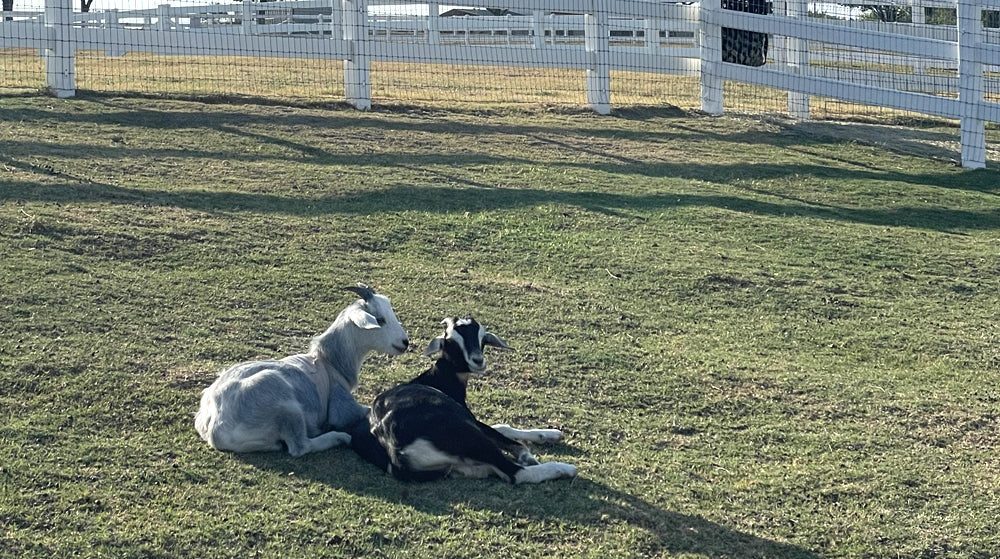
{"x":748,"y":48}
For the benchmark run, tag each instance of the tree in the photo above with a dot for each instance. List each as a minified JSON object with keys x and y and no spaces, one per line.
{"x":888,"y":13}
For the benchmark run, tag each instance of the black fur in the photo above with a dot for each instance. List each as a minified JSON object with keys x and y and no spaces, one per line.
{"x":432,"y":407}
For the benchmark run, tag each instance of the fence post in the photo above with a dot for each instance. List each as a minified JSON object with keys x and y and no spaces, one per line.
{"x":60,"y":53}
{"x":711,"y":57}
{"x":336,"y":20}
{"x":433,"y":23}
{"x":651,"y":34}
{"x":163,"y":17}
{"x":247,"y":18}
{"x":798,"y":59}
{"x":111,"y":22}
{"x":357,"y":69}
{"x":970,"y":85}
{"x":595,"y":32}
{"x":537,"y":28}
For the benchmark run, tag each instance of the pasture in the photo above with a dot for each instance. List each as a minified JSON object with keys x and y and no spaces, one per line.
{"x":762,"y":339}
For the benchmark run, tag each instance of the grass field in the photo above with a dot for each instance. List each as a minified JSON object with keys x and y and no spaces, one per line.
{"x":762,"y":339}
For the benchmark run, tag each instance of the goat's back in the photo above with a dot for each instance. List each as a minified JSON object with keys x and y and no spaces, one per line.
{"x":240,"y":407}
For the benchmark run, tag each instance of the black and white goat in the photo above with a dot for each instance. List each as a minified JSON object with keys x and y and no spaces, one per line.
{"x":423,"y":430}
{"x":302,"y":403}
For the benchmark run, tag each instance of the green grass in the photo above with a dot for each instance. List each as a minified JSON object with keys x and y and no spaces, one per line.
{"x":762,"y":340}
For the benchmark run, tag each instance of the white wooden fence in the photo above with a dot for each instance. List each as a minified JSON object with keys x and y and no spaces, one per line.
{"x":952,"y":72}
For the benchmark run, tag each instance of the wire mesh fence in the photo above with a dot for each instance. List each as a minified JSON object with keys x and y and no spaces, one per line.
{"x":643,"y":53}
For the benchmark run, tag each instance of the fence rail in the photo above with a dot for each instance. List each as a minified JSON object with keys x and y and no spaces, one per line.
{"x":951,"y":72}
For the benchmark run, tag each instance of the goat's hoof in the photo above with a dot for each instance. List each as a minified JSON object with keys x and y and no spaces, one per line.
{"x":567,"y":470}
{"x":548,"y":435}
{"x":527,"y":459}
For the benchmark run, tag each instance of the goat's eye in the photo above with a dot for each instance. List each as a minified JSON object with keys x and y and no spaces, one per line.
{"x":380,"y":320}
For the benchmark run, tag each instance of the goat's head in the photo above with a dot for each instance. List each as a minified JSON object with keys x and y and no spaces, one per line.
{"x":373,"y":313}
{"x":463,"y":342}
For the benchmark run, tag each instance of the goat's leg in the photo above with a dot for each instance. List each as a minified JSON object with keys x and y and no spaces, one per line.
{"x":327,"y":441}
{"x":367,"y":445}
{"x":544,"y":472}
{"x":529,"y":435}
{"x":513,"y":447}
{"x":482,"y":446}
{"x":293,"y":431}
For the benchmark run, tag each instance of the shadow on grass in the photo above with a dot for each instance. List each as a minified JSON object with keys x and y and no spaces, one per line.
{"x":479,"y":198}
{"x":579,"y":501}
{"x":177,"y":116}
{"x":259,"y":127}
{"x":460,"y":191}
{"x":17,"y":152}
{"x":167,"y":113}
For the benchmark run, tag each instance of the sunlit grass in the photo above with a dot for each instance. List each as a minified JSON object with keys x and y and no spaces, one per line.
{"x":761,"y":339}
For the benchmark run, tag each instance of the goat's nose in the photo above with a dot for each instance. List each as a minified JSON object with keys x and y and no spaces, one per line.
{"x":406,"y":342}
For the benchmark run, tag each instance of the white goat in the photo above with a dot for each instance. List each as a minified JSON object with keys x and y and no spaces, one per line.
{"x":302,"y":402}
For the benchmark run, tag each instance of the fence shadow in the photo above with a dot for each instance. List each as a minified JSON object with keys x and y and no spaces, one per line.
{"x":474,"y":197}
{"x":581,"y":501}
{"x":159,"y":113}
{"x":935,"y":144}
{"x":465,"y":194}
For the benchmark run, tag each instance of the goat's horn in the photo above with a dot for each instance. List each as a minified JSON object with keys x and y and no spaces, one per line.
{"x":362,"y":291}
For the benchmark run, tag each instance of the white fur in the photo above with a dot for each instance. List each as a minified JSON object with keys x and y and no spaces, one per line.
{"x":293,"y":402}
{"x":421,"y":454}
{"x":434,"y":421}
{"x":545,"y":472}
{"x":530,"y":435}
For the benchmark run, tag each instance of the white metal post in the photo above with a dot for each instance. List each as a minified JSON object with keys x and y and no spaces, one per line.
{"x":596,"y":42}
{"x":163,"y":17}
{"x":777,"y":44}
{"x":537,"y":28}
{"x":652,"y":35}
{"x":111,"y":22}
{"x":711,"y":56}
{"x":970,"y":84}
{"x":357,"y":69}
{"x":433,"y":23}
{"x":336,"y":20}
{"x":247,"y":18}
{"x":798,"y":60}
{"x":60,"y":61}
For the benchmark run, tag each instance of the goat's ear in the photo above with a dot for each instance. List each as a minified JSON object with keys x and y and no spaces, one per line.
{"x":435,"y":346}
{"x":493,"y":340}
{"x":362,"y":319}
